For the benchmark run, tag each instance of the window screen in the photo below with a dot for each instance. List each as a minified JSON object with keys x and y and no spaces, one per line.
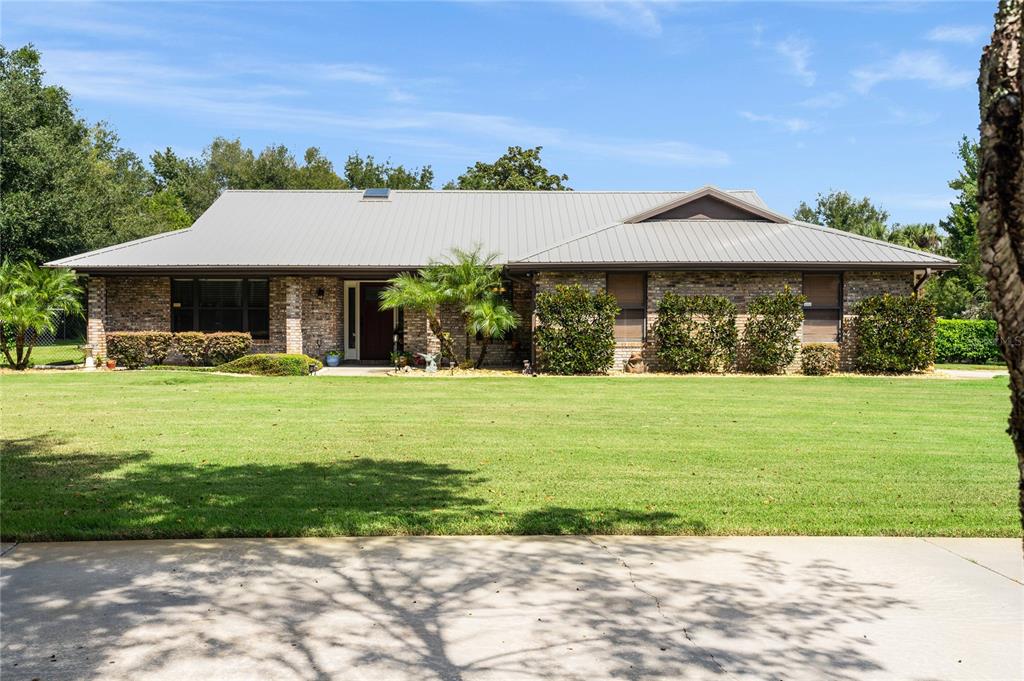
{"x":823,"y":309}
{"x":212,"y":305}
{"x":628,"y":290}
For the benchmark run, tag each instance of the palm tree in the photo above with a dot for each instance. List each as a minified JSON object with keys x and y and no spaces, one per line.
{"x":921,"y":236}
{"x":420,"y":292}
{"x":31,"y":299}
{"x":467,"y":278}
{"x":492,"y":318}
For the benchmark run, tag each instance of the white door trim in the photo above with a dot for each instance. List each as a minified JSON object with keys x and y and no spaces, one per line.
{"x":353,"y":353}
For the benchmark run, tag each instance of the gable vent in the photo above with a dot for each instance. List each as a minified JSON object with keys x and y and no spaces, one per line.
{"x":376,"y":193}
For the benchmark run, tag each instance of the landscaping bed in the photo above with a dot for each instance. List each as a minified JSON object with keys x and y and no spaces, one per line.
{"x":194,"y":454}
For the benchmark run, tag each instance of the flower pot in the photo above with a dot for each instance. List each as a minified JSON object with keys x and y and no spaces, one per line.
{"x":111,"y":363}
{"x":333,"y":360}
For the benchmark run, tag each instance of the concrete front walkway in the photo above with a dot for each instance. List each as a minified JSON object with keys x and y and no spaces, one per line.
{"x":514,"y":608}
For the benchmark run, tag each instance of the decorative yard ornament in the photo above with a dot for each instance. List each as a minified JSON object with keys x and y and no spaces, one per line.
{"x":431,"y":359}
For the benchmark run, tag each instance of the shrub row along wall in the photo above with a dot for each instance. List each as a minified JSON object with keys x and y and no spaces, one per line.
{"x":135,"y":349}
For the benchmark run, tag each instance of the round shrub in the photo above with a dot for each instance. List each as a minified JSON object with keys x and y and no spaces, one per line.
{"x":576,"y":330}
{"x":191,"y":345}
{"x":969,"y":341}
{"x":272,"y":365}
{"x":770,"y":337}
{"x":819,"y":359}
{"x":226,"y":346}
{"x":894,"y":334}
{"x":695,"y":333}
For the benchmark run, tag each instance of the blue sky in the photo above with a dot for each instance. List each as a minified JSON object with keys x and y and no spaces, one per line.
{"x":789,"y":99}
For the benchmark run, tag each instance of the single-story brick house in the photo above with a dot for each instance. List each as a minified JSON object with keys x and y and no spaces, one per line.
{"x":302,"y":270}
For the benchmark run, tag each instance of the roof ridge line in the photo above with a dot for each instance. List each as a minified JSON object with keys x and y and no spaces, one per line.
{"x":861,"y":237}
{"x":568,"y":240}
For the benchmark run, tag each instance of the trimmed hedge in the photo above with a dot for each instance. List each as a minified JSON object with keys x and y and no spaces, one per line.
{"x":136,"y":349}
{"x":894,"y":334}
{"x":695,"y":333}
{"x":576,"y":330}
{"x":770,"y":341}
{"x":819,"y":359}
{"x":271,"y":365}
{"x":191,"y":345}
{"x":226,"y":346}
{"x":968,"y":341}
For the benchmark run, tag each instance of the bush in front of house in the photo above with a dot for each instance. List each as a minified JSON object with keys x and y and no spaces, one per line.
{"x":272,"y":365}
{"x":819,"y":359}
{"x":576,"y":330}
{"x":894,"y":334}
{"x":695,"y":333}
{"x":967,"y":341}
{"x":225,"y":346}
{"x":770,"y":341}
{"x":136,"y":349}
{"x":191,"y":345}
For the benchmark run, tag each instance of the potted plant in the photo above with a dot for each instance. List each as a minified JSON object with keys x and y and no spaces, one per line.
{"x":111,"y":363}
{"x":333,"y":358}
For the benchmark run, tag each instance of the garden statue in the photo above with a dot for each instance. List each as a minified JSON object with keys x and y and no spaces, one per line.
{"x":431,"y":359}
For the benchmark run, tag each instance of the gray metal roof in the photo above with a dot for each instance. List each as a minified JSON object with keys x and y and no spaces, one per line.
{"x":719,"y":242}
{"x":341,"y":230}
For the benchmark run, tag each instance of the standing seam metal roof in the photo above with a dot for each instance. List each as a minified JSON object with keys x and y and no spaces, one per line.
{"x":339,"y":229}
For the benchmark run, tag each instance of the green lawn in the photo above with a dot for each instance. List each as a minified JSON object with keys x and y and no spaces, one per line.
{"x":181,"y":454}
{"x":60,"y":352}
{"x":981,"y":367}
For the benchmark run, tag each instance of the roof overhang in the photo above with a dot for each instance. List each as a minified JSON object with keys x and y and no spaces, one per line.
{"x":733,"y":266}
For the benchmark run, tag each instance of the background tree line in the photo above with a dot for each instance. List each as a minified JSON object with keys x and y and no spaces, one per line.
{"x":68,"y":186}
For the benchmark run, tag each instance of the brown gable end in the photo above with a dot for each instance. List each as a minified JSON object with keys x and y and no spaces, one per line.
{"x":708,"y":208}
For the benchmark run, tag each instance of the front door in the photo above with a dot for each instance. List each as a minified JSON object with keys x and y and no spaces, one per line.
{"x":376,"y":326}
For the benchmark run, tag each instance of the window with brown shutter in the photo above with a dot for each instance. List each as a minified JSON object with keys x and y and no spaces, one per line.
{"x":823,"y":308}
{"x":628,"y":290}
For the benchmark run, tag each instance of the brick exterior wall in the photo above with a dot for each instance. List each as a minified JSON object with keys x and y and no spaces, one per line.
{"x":321,"y":322}
{"x":138,"y":304}
{"x":96,"y":319}
{"x":302,"y":321}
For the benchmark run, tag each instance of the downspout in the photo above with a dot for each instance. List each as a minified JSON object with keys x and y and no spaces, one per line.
{"x":920,"y":282}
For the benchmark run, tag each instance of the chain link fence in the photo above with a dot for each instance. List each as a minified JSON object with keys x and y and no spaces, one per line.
{"x":63,"y":347}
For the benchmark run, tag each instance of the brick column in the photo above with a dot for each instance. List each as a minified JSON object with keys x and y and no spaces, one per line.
{"x":96,"y":325}
{"x":293,"y":315}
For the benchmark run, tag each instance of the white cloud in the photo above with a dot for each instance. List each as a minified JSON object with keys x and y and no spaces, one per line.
{"x":968,"y":35}
{"x":634,"y":16}
{"x":793,"y":125}
{"x":797,"y":52}
{"x":215,"y":94}
{"x":928,"y":67}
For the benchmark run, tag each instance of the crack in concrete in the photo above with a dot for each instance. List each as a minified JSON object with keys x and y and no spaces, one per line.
{"x":657,"y":604}
{"x":971,"y":560}
{"x":8,"y":549}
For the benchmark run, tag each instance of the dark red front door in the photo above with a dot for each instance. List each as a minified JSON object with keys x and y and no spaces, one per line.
{"x":376,"y":326}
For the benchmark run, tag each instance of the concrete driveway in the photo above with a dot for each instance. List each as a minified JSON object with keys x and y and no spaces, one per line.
{"x":515,"y":608}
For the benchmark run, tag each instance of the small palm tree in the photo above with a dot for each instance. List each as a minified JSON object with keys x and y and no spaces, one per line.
{"x":420,"y":292}
{"x":467,"y":278}
{"x":491,"y":317}
{"x":31,"y":299}
{"x":923,"y":237}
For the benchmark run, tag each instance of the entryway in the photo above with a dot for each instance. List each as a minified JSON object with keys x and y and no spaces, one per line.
{"x":368,"y":330}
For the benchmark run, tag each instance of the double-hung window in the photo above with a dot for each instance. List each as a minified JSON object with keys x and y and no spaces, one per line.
{"x":629,"y":291}
{"x":221,"y":305}
{"x":822,"y":311}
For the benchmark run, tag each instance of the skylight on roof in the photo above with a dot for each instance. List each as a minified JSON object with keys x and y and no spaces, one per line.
{"x":376,"y":193}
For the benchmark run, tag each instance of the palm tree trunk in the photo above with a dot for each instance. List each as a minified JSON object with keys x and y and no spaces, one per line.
{"x":483,"y":352}
{"x":1001,"y":202}
{"x":19,"y":351}
{"x":447,"y":350}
